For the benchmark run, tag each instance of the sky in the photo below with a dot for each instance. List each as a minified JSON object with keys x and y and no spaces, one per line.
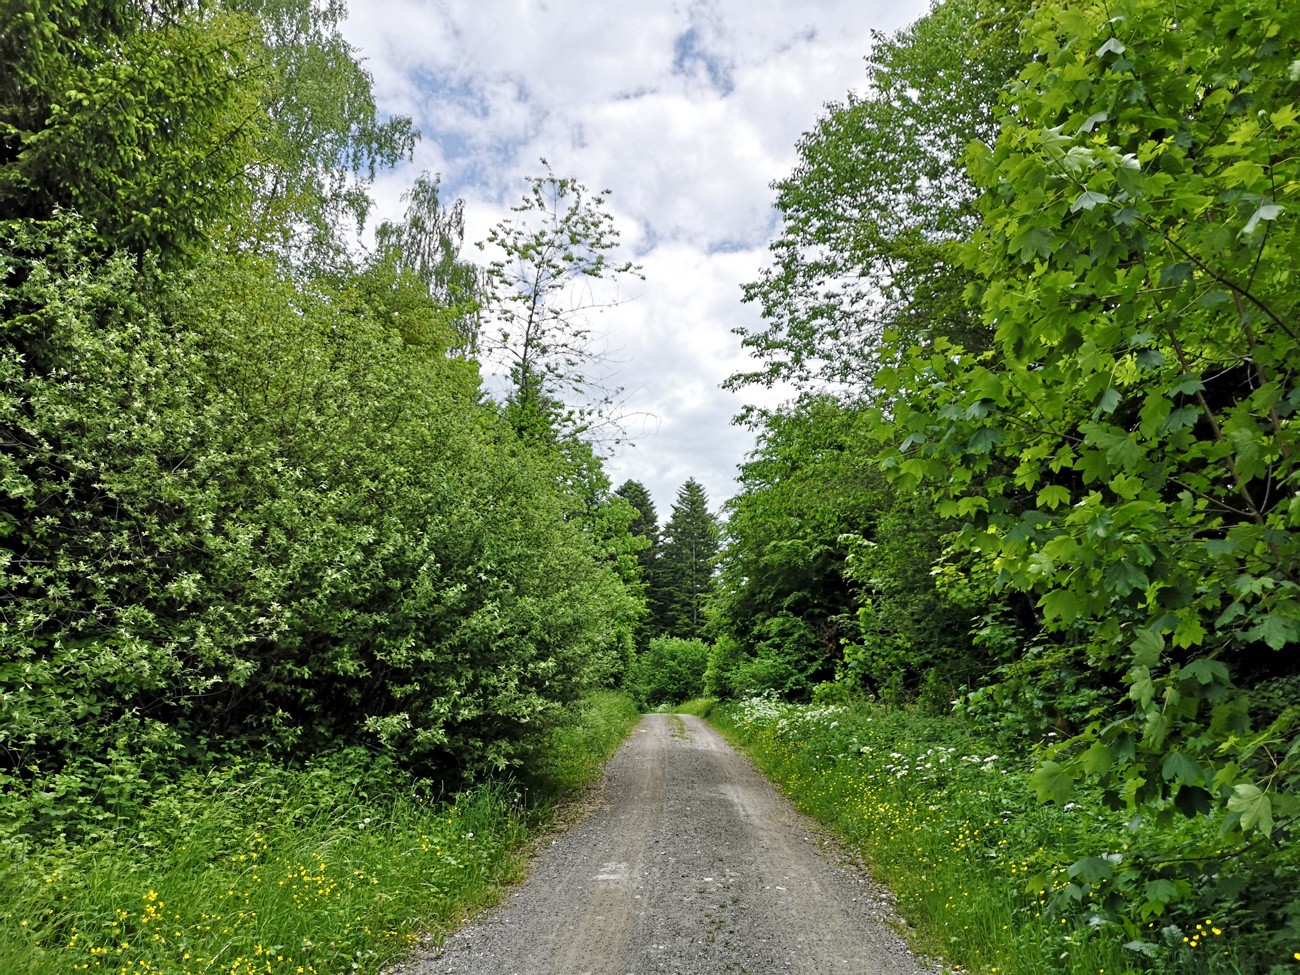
{"x":686,"y":110}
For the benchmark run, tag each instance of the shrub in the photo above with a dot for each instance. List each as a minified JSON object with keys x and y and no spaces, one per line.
{"x":670,"y":670}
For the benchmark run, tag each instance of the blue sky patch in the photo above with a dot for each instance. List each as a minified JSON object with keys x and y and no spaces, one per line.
{"x":691,"y":59}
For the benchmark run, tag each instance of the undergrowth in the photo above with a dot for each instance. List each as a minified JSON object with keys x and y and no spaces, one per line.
{"x":576,"y":751}
{"x":701,"y":707}
{"x":335,"y":867}
{"x":988,"y":878}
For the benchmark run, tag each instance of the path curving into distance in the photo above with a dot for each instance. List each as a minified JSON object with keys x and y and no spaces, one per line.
{"x":690,"y":863}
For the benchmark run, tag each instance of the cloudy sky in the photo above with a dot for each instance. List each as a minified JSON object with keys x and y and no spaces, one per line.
{"x":686,"y":110}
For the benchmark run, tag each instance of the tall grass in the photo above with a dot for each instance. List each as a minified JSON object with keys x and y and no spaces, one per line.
{"x":982,"y":873}
{"x":254,"y":869}
{"x":576,"y":751}
{"x":701,"y":707}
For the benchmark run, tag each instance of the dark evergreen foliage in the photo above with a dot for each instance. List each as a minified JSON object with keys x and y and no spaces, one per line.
{"x":686,"y":565}
{"x":645,"y":524}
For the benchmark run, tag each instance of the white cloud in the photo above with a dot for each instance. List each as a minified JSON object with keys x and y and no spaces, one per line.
{"x":687,"y":110}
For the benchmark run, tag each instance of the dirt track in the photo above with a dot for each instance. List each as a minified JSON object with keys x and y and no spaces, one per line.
{"x":690,"y":864}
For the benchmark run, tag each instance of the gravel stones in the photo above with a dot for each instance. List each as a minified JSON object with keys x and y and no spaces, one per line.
{"x":690,"y":863}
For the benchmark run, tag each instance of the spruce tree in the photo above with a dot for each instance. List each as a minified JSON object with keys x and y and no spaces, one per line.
{"x":687,"y":558}
{"x":644,"y":531}
{"x":645,"y":525}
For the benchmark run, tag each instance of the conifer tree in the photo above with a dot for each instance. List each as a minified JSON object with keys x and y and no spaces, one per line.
{"x":645,"y":525}
{"x":685,"y":567}
{"x":643,"y":535}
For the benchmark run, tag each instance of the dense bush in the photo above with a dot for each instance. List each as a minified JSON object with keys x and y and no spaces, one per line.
{"x":668,"y":671}
{"x":243,"y":510}
{"x":1042,"y":308}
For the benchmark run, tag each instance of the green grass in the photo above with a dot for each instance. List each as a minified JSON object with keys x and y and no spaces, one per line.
{"x":701,"y":707}
{"x":576,"y":751}
{"x":677,"y":727}
{"x":257,"y":869}
{"x":982,"y":872}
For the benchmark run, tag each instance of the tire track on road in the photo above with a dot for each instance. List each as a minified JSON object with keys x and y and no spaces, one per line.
{"x":690,"y":863}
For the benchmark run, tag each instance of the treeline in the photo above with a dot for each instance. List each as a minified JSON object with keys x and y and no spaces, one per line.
{"x":253,"y":495}
{"x":677,"y":563}
{"x":1036,"y":287}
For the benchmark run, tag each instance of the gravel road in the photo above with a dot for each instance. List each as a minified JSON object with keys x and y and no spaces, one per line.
{"x":690,"y":863}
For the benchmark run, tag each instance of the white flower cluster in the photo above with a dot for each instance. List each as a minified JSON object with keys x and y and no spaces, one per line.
{"x":794,"y":722}
{"x":769,"y":712}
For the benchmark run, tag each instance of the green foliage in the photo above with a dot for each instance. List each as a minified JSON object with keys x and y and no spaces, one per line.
{"x":577,"y":749}
{"x":282,"y":521}
{"x":1127,"y":455}
{"x":165,"y":127}
{"x":111,"y":612}
{"x":455,"y":596}
{"x":701,"y":707}
{"x":668,"y":671}
{"x":426,"y":245}
{"x":782,"y":598}
{"x":867,"y":263}
{"x":643,"y":533}
{"x":1074,"y":360}
{"x":990,"y":880}
{"x":911,"y":638}
{"x":719,"y":674}
{"x":249,"y":494}
{"x":555,"y":266}
{"x":322,"y":141}
{"x":827,"y":569}
{"x":874,"y":211}
{"x":253,"y":501}
{"x":684,"y":569}
{"x":645,"y":525}
{"x":142,"y":120}
{"x":786,"y":659}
